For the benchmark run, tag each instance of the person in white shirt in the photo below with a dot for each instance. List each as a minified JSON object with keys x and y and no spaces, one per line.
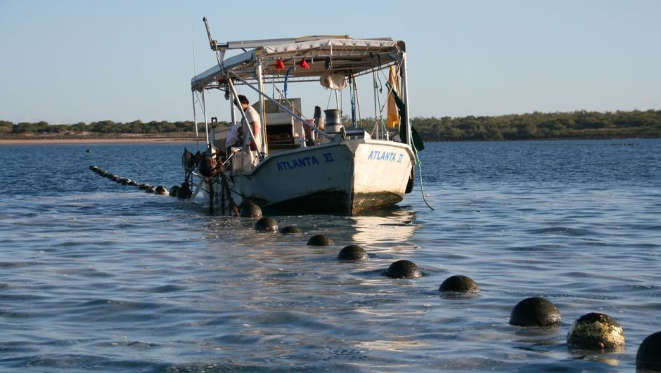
{"x":239,"y":134}
{"x":255,"y":125}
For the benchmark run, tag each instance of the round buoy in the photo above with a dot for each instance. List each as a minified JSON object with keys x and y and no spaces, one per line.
{"x":150,"y":189}
{"x":536,"y":311}
{"x":649,"y":353}
{"x":114,"y":177}
{"x":266,"y":224}
{"x":94,"y":168}
{"x":174,"y":190}
{"x":123,"y":180}
{"x":161,"y":190}
{"x":459,"y":284}
{"x":596,"y":331}
{"x":319,"y":240}
{"x":290,"y":229}
{"x":133,"y":183}
{"x":403,"y":269}
{"x":184,"y":192}
{"x":144,"y":186}
{"x":352,"y":252}
{"x":250,"y":209}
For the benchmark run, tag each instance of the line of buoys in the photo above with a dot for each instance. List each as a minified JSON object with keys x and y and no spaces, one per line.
{"x":176,"y":191}
{"x":593,"y":331}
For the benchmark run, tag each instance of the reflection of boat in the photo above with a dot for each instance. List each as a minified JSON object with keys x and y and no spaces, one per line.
{"x":300,"y":165}
{"x":395,"y":228}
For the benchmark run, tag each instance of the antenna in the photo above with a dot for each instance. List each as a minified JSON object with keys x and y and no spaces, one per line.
{"x":220,"y":52}
{"x":192,"y":30}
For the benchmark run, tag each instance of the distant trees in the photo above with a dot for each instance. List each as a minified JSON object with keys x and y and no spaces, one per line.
{"x":6,"y":127}
{"x":536,"y":125}
{"x":104,"y":127}
{"x":578,"y":124}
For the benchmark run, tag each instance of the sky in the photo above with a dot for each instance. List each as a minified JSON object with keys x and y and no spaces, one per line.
{"x":70,"y":61}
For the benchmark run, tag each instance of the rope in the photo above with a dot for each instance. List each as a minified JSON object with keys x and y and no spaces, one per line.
{"x":422,"y":187}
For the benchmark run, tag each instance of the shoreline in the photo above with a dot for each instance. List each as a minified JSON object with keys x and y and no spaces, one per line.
{"x":191,"y":140}
{"x":99,"y":140}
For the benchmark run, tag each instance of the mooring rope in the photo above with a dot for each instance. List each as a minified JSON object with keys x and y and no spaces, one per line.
{"x":422,"y":187}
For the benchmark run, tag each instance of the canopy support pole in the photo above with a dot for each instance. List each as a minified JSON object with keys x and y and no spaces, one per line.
{"x":197,"y":135}
{"x":262,"y":109}
{"x":405,"y":94}
{"x":377,"y":120}
{"x":232,"y":110}
{"x":206,"y":123}
{"x":352,"y":98}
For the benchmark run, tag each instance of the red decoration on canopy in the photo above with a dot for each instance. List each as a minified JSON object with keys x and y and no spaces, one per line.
{"x":304,"y":64}
{"x":279,"y":65}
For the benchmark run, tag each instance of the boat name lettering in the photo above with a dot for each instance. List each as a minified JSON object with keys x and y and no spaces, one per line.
{"x":378,"y":155}
{"x":297,"y":162}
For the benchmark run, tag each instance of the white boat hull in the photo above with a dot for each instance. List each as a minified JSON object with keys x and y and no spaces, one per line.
{"x":345,"y":178}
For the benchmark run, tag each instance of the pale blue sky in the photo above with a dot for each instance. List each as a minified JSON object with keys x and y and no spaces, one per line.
{"x":69,"y":61}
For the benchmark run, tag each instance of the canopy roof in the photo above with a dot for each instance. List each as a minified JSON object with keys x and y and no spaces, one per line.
{"x":336,"y":54}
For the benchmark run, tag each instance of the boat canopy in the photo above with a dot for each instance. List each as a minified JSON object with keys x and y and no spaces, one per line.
{"x":304,"y":57}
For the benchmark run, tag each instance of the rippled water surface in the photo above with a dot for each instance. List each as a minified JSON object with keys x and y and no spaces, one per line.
{"x":97,"y":276}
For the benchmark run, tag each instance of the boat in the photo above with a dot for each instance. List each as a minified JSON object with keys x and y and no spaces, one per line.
{"x":333,"y":164}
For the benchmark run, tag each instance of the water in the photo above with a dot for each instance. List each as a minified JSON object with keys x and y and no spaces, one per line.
{"x":97,"y":276}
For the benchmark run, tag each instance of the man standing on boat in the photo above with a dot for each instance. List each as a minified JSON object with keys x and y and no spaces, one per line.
{"x":254,"y":123}
{"x":239,"y":135}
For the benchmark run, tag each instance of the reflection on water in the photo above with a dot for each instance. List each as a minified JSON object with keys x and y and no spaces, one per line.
{"x":392,"y":230}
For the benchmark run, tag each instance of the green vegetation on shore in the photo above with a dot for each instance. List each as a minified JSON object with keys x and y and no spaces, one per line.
{"x":578,"y":124}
